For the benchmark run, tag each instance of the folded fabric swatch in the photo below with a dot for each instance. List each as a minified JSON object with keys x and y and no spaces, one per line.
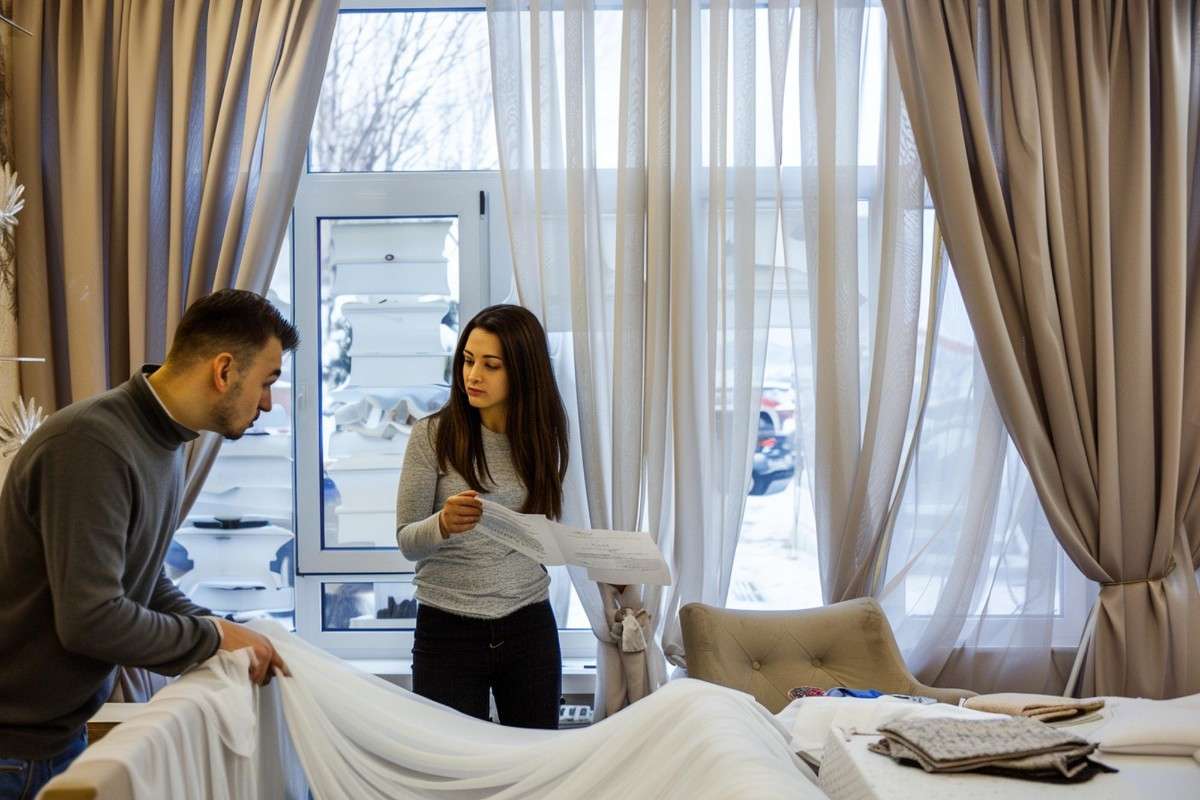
{"x":810,"y":719}
{"x":1150,"y":727}
{"x":1017,"y":746}
{"x":1043,"y":707}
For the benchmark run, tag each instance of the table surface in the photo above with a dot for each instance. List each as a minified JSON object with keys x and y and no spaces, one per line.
{"x":849,"y":771}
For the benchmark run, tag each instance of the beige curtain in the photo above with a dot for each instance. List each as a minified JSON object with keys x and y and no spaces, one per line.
{"x":10,"y":387}
{"x":978,"y":590}
{"x":1059,"y":141}
{"x":160,"y":144}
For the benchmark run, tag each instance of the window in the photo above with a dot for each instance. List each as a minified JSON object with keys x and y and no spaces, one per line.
{"x":400,"y":237}
{"x":236,"y":551}
{"x":385,"y":266}
{"x":776,"y":564}
{"x":392,"y":244}
{"x":406,"y":91}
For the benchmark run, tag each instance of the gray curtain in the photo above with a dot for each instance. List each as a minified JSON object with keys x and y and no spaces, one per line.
{"x":1059,"y":143}
{"x":160,"y":144}
{"x":10,"y":389}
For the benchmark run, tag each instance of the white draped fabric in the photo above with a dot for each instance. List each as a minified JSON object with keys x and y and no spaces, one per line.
{"x":211,"y":734}
{"x":652,"y":274}
{"x":358,"y":736}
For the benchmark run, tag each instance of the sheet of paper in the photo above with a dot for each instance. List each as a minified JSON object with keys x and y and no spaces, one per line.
{"x":620,"y":557}
{"x":525,"y":533}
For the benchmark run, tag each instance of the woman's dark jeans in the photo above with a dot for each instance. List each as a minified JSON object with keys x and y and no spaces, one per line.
{"x":457,"y":659}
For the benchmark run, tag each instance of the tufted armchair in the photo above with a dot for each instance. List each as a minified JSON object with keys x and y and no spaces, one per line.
{"x":765,"y":653}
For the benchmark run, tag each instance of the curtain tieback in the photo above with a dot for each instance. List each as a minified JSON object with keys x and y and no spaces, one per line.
{"x":1163,"y":577}
{"x":627,"y":629}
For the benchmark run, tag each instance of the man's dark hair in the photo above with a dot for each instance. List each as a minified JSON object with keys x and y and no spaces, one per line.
{"x":230,"y":321}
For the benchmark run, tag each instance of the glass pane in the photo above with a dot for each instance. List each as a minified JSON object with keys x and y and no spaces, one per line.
{"x":576,"y":614}
{"x":235,"y":552}
{"x":368,"y":606}
{"x":389,"y":320}
{"x":775,"y":565}
{"x":406,"y":90}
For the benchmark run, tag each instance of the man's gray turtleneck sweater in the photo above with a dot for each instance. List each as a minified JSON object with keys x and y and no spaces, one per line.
{"x":86,"y":515}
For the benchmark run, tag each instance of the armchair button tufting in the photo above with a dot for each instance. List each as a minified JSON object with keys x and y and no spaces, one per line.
{"x":816,"y":662}
{"x":755,"y":665}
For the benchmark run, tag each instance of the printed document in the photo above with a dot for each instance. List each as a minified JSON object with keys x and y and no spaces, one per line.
{"x":620,"y":557}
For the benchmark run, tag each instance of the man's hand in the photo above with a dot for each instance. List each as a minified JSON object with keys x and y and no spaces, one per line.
{"x":263,"y":658}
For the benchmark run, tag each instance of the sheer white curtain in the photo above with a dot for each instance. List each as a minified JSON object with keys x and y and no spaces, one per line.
{"x":853,"y":205}
{"x":652,"y":273}
{"x":918,"y":496}
{"x":979,"y":591}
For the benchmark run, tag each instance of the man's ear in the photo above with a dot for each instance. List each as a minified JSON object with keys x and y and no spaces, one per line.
{"x":222,"y":372}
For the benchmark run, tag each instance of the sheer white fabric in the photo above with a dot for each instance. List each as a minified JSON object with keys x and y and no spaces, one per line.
{"x":853,"y":222}
{"x":918,"y":497}
{"x":211,"y":735}
{"x":652,"y":278}
{"x":358,"y":736}
{"x":977,"y":588}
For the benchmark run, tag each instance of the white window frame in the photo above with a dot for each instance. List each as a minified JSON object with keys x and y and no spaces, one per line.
{"x":485,"y":277}
{"x":350,"y":195}
{"x":388,"y":653}
{"x":577,"y":644}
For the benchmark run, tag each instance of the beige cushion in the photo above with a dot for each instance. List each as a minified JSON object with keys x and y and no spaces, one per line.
{"x":766,"y":653}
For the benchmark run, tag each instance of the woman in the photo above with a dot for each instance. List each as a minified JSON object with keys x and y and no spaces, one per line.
{"x":483,"y":617}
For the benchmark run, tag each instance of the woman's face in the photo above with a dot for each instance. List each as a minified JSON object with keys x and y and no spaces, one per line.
{"x":484,"y":373}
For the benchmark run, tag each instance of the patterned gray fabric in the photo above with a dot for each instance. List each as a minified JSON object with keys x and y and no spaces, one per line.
{"x":1017,"y":746}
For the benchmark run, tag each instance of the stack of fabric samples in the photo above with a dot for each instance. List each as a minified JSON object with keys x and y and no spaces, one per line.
{"x":1018,"y":747}
{"x":1042,"y":707}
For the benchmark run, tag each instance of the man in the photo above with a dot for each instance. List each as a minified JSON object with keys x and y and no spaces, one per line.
{"x":86,"y":515}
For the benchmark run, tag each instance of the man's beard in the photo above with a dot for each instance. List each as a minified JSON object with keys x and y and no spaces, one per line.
{"x":224,"y":415}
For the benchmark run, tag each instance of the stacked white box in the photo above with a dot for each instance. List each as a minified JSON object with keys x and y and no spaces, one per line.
{"x":391,"y":286}
{"x":397,"y":327}
{"x":251,"y":479}
{"x":232,"y":568}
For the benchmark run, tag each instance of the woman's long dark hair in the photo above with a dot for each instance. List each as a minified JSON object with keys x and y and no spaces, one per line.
{"x":537,"y":421}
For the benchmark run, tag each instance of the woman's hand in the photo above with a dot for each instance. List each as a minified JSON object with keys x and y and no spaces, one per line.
{"x":460,"y":513}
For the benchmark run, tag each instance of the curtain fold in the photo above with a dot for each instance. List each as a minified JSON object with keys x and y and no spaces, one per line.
{"x":10,"y":388}
{"x":161,"y":145}
{"x":978,"y":591}
{"x":854,"y":278}
{"x":1059,"y":143}
{"x":652,"y":274}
